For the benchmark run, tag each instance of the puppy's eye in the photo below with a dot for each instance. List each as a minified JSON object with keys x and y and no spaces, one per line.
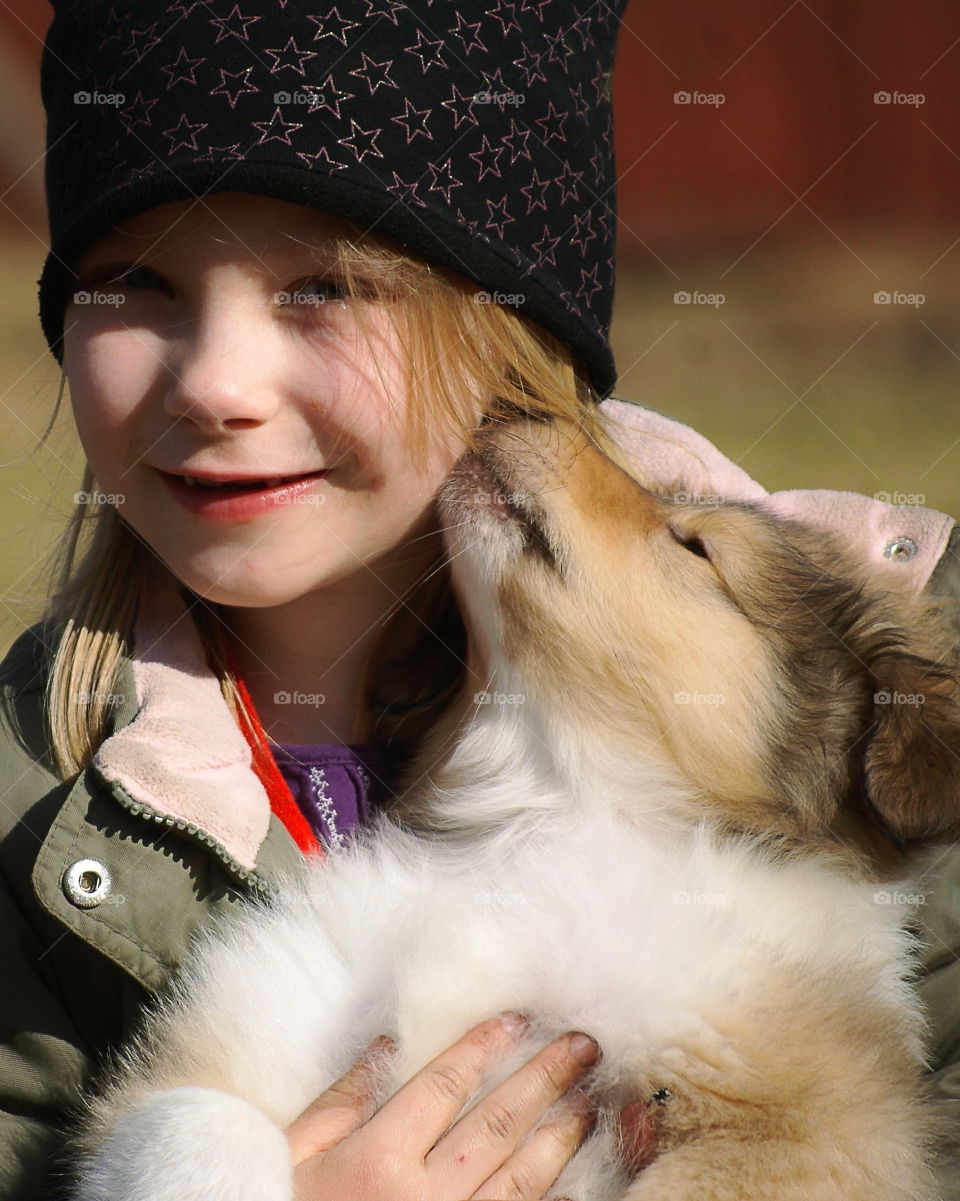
{"x":690,"y":542}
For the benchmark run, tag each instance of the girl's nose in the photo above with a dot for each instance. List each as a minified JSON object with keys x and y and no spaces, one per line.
{"x":224,"y":364}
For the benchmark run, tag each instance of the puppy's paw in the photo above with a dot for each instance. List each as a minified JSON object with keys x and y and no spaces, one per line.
{"x":190,"y":1144}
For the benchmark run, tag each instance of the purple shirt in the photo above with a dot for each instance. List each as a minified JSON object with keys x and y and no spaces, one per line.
{"x":337,"y":788}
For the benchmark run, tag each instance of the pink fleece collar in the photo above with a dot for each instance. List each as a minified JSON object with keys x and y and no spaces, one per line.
{"x":184,"y":757}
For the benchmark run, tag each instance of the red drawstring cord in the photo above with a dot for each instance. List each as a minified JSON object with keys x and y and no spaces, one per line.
{"x":281,"y":798}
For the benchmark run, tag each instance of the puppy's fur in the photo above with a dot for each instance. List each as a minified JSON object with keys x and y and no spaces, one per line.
{"x":681,"y":820}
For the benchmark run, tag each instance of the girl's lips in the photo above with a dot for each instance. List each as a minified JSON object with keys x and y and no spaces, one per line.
{"x":243,"y":503}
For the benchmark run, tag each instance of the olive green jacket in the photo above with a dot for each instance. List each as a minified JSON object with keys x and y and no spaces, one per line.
{"x":105,"y":878}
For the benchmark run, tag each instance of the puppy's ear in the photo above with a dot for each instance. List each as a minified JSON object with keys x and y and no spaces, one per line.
{"x":911,"y":766}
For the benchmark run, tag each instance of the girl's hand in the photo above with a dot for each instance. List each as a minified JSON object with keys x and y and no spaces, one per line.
{"x":409,"y":1151}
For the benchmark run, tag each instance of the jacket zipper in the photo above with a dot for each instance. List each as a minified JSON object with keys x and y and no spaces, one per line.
{"x":139,"y":809}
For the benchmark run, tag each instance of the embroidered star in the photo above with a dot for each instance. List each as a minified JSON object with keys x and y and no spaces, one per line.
{"x":406,"y":193}
{"x":184,"y":133}
{"x":233,"y":90}
{"x":182,"y":69}
{"x":545,"y":248}
{"x":538,"y":186}
{"x":186,"y":7}
{"x":552,"y":124}
{"x":500,"y":209}
{"x":471,"y":40}
{"x":142,"y":40}
{"x":559,"y":50}
{"x":583,"y":230}
{"x":221,"y":152}
{"x":509,"y":18}
{"x":578,"y":97}
{"x":582,"y":28}
{"x":429,"y":58}
{"x":332,"y":25}
{"x":276,"y":129}
{"x":515,"y":135}
{"x":370,"y":135}
{"x":137,"y":112}
{"x":222,"y":25}
{"x":486,"y":151}
{"x":470,"y":225}
{"x":321,"y":159}
{"x":461,"y":107}
{"x":443,"y":180}
{"x":530,"y":66}
{"x":411,"y":125}
{"x":290,"y":58}
{"x":536,"y":6}
{"x":602,"y":86}
{"x":568,"y":180}
{"x":333,"y":97}
{"x":375,"y":74}
{"x":384,"y":8}
{"x":589,"y":277}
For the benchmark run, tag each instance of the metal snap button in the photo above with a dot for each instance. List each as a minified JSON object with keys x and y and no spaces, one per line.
{"x":900,"y":548}
{"x":86,"y":883}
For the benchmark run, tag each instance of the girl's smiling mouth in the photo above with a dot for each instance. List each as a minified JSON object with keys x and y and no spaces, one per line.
{"x":242,"y":498}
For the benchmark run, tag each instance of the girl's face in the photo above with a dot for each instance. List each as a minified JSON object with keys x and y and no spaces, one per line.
{"x":224,"y":354}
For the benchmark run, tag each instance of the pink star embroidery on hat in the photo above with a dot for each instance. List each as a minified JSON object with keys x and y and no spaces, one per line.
{"x":332,"y":25}
{"x":414,"y":121}
{"x":545,"y":248}
{"x":517,"y":135}
{"x":583,"y":230}
{"x":182,"y":69}
{"x":429,"y":57}
{"x":529,"y":64}
{"x":137,"y":112}
{"x":384,"y":8}
{"x":367,"y":136}
{"x":330,"y":97}
{"x":506,"y":14}
{"x":460,"y":106}
{"x":487,"y":152}
{"x":589,"y":278}
{"x":560,"y":50}
{"x":276,"y":129}
{"x":184,"y":133}
{"x":552,"y":124}
{"x":375,"y":74}
{"x":499,"y":209}
{"x":535,"y":192}
{"x":568,"y":179}
{"x":471,"y":39}
{"x":443,"y":179}
{"x":142,"y":40}
{"x":290,"y":57}
{"x":233,"y":84}
{"x":233,"y":23}
{"x":321,"y":160}
{"x":406,"y":193}
{"x":536,"y":6}
{"x":217,"y":153}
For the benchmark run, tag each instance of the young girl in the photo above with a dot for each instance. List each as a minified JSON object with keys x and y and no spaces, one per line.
{"x":297,"y":256}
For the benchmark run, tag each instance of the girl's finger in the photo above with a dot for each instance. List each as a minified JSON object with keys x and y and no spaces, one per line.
{"x":419,"y":1113}
{"x":540,"y":1159}
{"x":341,"y":1109}
{"x":485,"y":1137}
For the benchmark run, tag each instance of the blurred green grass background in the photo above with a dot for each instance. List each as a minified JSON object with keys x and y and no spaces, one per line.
{"x":798,"y":376}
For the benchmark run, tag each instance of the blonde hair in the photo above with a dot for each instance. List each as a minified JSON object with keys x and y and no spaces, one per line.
{"x":461,"y":357}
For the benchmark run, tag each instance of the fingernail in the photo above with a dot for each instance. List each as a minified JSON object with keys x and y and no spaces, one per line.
{"x":583,"y":1048}
{"x":383,"y":1042}
{"x":515,"y":1024}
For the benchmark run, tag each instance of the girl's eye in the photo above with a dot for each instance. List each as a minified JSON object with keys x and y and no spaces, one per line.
{"x":314,"y":292}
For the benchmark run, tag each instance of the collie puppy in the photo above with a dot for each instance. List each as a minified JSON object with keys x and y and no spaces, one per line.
{"x":679,"y":815}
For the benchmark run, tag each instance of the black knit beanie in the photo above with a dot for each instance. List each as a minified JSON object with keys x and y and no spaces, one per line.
{"x":476,"y":132}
